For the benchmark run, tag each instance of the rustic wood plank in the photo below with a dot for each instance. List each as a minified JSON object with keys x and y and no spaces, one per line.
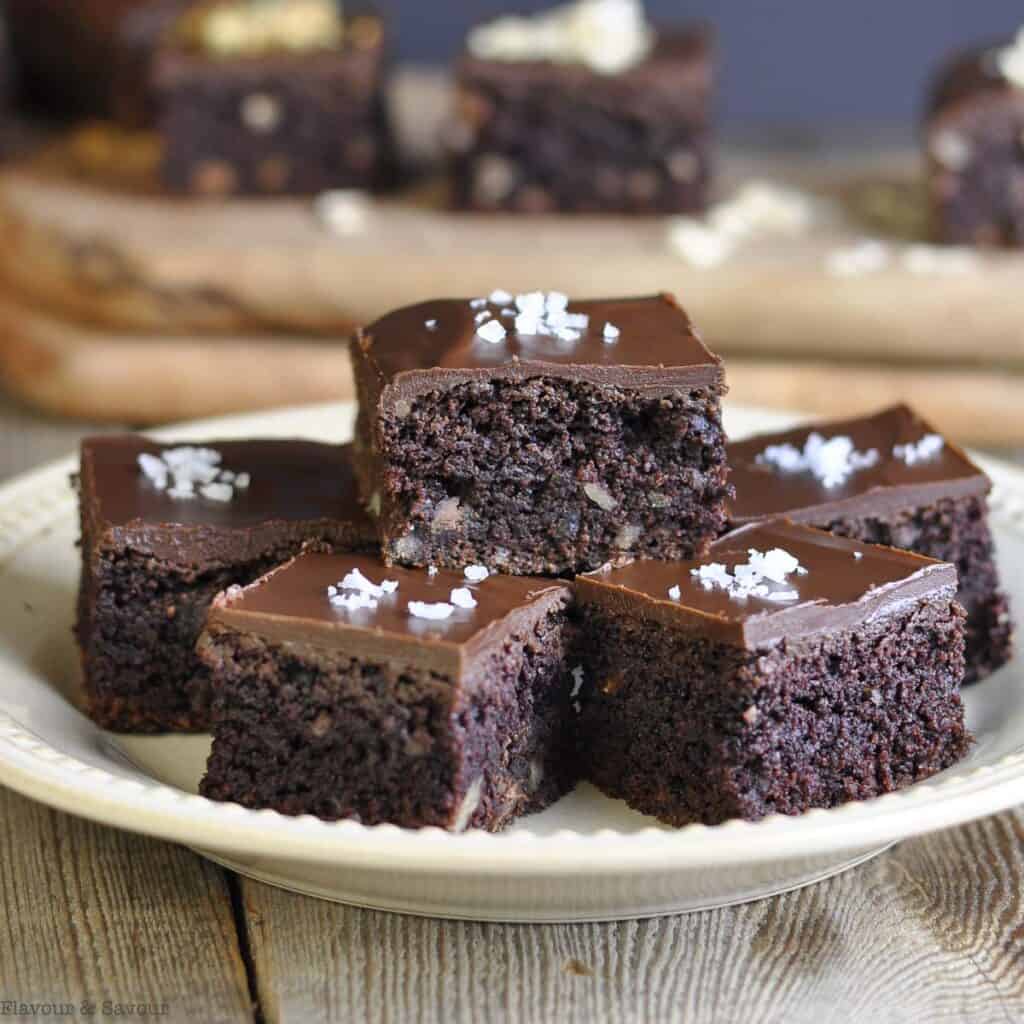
{"x":930,"y":931}
{"x":76,"y":370}
{"x":976,"y":405}
{"x":94,"y":914}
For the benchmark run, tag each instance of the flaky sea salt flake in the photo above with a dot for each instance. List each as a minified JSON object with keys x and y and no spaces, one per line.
{"x":462,"y":597}
{"x":476,"y":573}
{"x":492,"y":332}
{"x":436,"y":612}
{"x":217,"y":492}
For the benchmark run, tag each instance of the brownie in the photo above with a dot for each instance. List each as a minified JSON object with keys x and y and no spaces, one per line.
{"x":346,"y":689}
{"x":273,"y":118}
{"x":538,"y":438}
{"x":67,"y":50}
{"x":790,"y":669}
{"x":536,"y":132}
{"x":154,"y":557}
{"x":931,"y":500}
{"x":974,"y":148}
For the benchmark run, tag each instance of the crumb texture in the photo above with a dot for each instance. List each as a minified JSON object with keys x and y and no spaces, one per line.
{"x":546,"y":476}
{"x":139,"y":618}
{"x":691,"y":731}
{"x":954,"y":531}
{"x":310,"y":731}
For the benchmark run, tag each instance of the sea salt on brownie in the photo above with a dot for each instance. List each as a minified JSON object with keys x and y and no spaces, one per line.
{"x":790,"y":669}
{"x":346,"y":689}
{"x":886,"y":479}
{"x":164,"y":529}
{"x":535,"y":435}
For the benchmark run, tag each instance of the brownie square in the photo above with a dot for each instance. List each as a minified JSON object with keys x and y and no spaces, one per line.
{"x":930,"y":499}
{"x":542,"y":135}
{"x":274,"y":120}
{"x":790,"y":669}
{"x":153,"y":558}
{"x":346,"y":689}
{"x":974,"y":148}
{"x":67,"y":51}
{"x":538,"y":437}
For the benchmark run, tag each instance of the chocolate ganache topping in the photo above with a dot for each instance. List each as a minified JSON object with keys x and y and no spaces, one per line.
{"x":294,"y":604}
{"x":839,"y":584}
{"x":645,"y":344}
{"x":882,"y":485}
{"x":288,"y":483}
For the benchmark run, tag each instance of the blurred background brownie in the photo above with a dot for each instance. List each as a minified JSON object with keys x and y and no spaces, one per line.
{"x":974,"y":138}
{"x":164,"y":529}
{"x":885,"y":479}
{"x":275,"y":97}
{"x":584,"y":108}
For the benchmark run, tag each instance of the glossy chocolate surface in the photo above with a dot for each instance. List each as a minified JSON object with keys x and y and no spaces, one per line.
{"x":293,"y":482}
{"x":657,"y":351}
{"x":838,"y":591}
{"x":291,"y":605}
{"x":888,"y":487}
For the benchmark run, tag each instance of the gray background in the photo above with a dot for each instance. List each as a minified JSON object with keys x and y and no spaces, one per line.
{"x":811,"y":61}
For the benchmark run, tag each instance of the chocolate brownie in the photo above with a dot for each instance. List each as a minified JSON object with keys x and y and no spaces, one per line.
{"x":346,"y":689}
{"x":790,"y":669}
{"x":67,"y":51}
{"x":164,"y":529}
{"x":885,"y":479}
{"x":537,"y":132}
{"x":290,"y":105}
{"x":537,"y":436}
{"x":974,"y":147}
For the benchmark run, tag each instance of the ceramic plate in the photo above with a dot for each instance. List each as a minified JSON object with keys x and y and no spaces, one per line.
{"x":586,"y":858}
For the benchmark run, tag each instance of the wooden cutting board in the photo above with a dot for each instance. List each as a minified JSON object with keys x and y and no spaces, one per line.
{"x":136,"y":262}
{"x":178,"y":295}
{"x":124,"y":377}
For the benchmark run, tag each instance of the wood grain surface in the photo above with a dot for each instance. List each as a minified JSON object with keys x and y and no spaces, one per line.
{"x":95,"y":915}
{"x":81,"y":371}
{"x":931,"y":931}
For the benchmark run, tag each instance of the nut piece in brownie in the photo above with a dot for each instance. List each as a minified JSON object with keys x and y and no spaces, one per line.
{"x":164,"y":529}
{"x":274,"y":97}
{"x":974,"y":146}
{"x":885,"y":479}
{"x":583,"y":108}
{"x":346,"y":689}
{"x":534,"y":435}
{"x":790,"y":669}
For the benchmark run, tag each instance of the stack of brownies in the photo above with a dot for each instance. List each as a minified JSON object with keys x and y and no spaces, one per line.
{"x":547,"y":577}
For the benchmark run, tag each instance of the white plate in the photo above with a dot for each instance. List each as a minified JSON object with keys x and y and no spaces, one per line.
{"x":586,"y":858}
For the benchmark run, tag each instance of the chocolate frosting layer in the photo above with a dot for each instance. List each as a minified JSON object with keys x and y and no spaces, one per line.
{"x":290,"y":605}
{"x":838,"y":592}
{"x":888,"y":487}
{"x":657,"y":351}
{"x":296,"y":486}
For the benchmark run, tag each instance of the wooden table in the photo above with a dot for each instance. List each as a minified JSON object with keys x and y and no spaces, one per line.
{"x":931,"y":931}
